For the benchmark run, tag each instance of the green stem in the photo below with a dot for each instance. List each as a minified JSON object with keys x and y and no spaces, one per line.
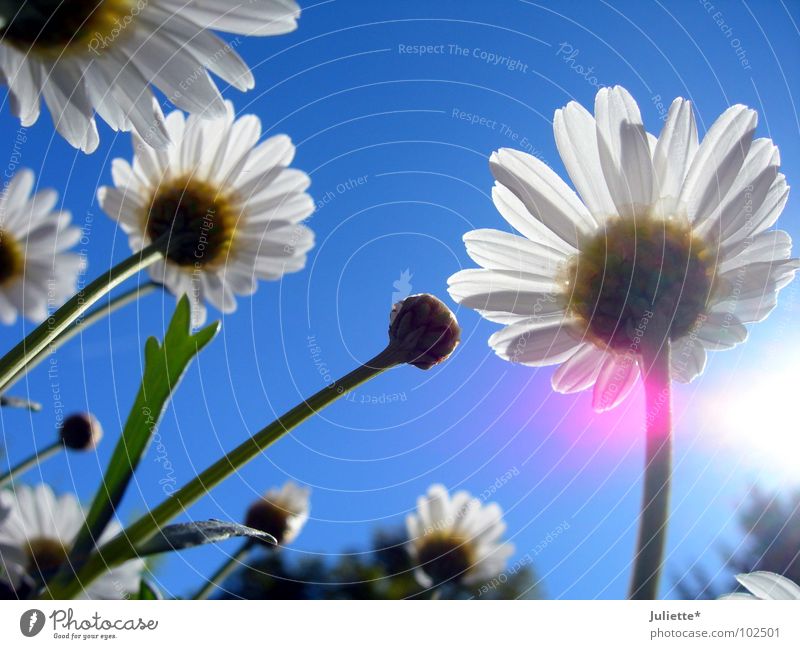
{"x":13,"y":364}
{"x":658,"y":469}
{"x":33,"y":460}
{"x":81,"y":324}
{"x":224,"y":571}
{"x":118,"y":549}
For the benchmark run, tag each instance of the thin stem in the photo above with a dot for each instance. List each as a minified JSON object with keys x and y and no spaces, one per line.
{"x":118,"y":549}
{"x":658,"y":469}
{"x":79,"y":325}
{"x":224,"y":571}
{"x":33,"y":460}
{"x":15,"y":361}
{"x":19,"y":402}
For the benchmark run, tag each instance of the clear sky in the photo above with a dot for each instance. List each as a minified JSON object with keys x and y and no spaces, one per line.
{"x":396,"y":143}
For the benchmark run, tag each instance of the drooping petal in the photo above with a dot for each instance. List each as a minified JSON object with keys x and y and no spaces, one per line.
{"x":721,"y":331}
{"x":615,"y":381}
{"x":580,"y":371}
{"x":536,"y":345}
{"x":687,"y":359}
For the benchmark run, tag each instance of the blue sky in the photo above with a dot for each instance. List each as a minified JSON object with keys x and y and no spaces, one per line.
{"x":396,"y":142}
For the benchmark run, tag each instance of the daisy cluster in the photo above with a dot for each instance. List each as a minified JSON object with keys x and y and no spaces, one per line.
{"x":661,"y":248}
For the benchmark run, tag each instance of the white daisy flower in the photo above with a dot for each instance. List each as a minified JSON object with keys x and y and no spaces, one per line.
{"x":456,"y":539}
{"x":663,"y":230}
{"x":231,"y":208}
{"x":281,"y":512}
{"x":36,"y":531}
{"x":83,"y":56}
{"x":36,"y":274}
{"x":765,"y":585}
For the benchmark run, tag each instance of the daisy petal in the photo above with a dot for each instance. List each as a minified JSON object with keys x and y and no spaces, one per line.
{"x":535,"y":345}
{"x":745,"y":195}
{"x":546,"y":197}
{"x":503,"y":251}
{"x":576,"y":138}
{"x":624,"y":149}
{"x":674,"y":153}
{"x":580,"y":371}
{"x":615,"y":381}
{"x":687,"y":360}
{"x":721,"y":331}
{"x":768,"y":585}
{"x":718,"y":161}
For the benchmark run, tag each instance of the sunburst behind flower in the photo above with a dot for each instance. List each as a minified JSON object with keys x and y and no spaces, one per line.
{"x":668,"y":235}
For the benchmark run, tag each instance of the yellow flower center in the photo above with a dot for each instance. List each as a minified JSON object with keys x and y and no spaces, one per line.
{"x":12,"y":261}
{"x":444,"y":557}
{"x":45,"y":555}
{"x":633,"y":267}
{"x":55,"y":27}
{"x":199,"y":219}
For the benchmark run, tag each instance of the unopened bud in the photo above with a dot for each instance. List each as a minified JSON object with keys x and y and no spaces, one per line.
{"x":424,"y":330}
{"x":81,"y":432}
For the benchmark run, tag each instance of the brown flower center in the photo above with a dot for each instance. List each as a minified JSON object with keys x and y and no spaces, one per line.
{"x":634,"y":266}
{"x":51,"y":27}
{"x":45,"y":555}
{"x":199,"y":220}
{"x":444,"y":557}
{"x":12,"y":261}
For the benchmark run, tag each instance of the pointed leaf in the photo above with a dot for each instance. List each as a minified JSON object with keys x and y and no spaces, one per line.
{"x":188,"y":535}
{"x":164,"y":366}
{"x":148,"y":590}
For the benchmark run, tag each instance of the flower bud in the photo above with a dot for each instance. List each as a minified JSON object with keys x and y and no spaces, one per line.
{"x":281,"y":512}
{"x":81,"y":432}
{"x":424,"y":330}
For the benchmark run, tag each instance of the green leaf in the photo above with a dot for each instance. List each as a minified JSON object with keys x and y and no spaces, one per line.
{"x":188,"y":535}
{"x":148,"y":590}
{"x":164,"y":366}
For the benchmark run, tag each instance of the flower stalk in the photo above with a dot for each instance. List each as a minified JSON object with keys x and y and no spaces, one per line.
{"x":224,"y":571}
{"x":28,"y":463}
{"x":15,"y":362}
{"x":649,"y":558}
{"x":82,"y":323}
{"x":118,"y":549}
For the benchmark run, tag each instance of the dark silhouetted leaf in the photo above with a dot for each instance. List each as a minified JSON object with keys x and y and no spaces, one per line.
{"x":188,"y":535}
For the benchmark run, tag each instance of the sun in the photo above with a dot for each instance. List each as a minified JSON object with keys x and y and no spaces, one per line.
{"x":760,"y":419}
